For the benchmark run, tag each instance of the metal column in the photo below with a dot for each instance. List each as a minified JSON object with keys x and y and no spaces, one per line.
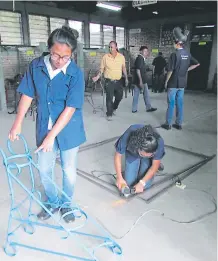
{"x":3,"y":103}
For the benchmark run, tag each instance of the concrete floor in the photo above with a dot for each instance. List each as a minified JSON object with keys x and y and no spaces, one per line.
{"x":154,"y":237}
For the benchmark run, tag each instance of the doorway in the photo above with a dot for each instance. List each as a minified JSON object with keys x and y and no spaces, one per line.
{"x":200,"y":48}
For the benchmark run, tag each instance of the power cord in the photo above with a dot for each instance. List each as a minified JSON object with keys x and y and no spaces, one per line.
{"x":102,"y":173}
{"x":191,"y":221}
{"x":176,"y":180}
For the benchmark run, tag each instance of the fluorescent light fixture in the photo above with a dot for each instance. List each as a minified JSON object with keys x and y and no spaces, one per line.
{"x":109,"y":6}
{"x":205,"y":26}
{"x":155,"y":12}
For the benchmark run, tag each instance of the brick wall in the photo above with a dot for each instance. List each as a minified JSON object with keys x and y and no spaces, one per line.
{"x":151,"y":36}
{"x":15,"y":61}
{"x":92,"y":60}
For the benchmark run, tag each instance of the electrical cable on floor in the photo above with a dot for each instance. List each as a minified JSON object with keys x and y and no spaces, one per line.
{"x":176,"y":179}
{"x":194,"y":220}
{"x":103,"y":173}
{"x":132,"y":227}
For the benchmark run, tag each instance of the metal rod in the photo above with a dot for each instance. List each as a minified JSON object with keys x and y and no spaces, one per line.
{"x":94,"y":145}
{"x":187,"y":151}
{"x":189,"y":171}
{"x":173,"y":182}
{"x":50,"y":251}
{"x":97,"y":144}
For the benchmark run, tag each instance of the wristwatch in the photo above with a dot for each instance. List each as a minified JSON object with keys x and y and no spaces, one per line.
{"x":142,"y":182}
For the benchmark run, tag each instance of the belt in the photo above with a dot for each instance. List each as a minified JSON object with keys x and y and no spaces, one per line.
{"x":109,"y":80}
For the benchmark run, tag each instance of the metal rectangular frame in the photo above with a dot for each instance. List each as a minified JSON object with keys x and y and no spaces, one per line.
{"x":169,"y":180}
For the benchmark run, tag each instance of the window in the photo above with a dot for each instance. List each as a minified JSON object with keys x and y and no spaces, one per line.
{"x":95,"y":35}
{"x":56,"y":23}
{"x":120,"y":37}
{"x":108,"y":34}
{"x":10,"y":28}
{"x":38,"y":26}
{"x":79,"y":27}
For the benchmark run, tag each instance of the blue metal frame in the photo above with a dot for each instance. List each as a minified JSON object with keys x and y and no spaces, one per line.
{"x":28,"y":223}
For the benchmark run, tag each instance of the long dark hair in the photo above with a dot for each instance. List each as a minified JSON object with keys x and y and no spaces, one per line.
{"x":64,"y":35}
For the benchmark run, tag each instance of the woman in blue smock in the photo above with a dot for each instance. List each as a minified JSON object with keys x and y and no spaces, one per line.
{"x":57,"y":84}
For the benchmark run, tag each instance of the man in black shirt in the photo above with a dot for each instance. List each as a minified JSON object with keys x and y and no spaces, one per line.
{"x":180,"y":63}
{"x":139,"y":81}
{"x":159,"y":64}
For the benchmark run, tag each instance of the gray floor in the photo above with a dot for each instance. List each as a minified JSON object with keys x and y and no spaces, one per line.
{"x":154,"y":237}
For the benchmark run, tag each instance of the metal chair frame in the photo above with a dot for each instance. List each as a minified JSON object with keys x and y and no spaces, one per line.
{"x":91,"y":87}
{"x":29,"y":222}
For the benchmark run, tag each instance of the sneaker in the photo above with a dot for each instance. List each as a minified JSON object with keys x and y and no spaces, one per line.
{"x":151,"y":109}
{"x":177,"y":126}
{"x":109,"y":118}
{"x":134,"y":111}
{"x":114,"y":112}
{"x":68,"y":218}
{"x":44,"y":215}
{"x":166,"y":126}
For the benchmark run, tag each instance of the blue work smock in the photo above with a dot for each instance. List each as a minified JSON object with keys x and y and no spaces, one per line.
{"x":52,"y":97}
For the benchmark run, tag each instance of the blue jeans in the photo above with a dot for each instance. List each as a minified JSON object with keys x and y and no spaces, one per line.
{"x":46,"y":169}
{"x":145,"y":96}
{"x":175,"y":97}
{"x":136,"y":170}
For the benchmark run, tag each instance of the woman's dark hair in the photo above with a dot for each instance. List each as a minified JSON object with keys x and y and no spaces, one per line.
{"x":144,"y":139}
{"x":64,"y":35}
{"x":143,"y":47}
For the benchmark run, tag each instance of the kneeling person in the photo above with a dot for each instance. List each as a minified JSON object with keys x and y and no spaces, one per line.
{"x":143,"y":148}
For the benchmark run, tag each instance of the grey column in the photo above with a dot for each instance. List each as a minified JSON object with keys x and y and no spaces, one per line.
{"x":3,"y":103}
{"x":213,"y":61}
{"x":25,"y":25}
{"x":86,"y":35}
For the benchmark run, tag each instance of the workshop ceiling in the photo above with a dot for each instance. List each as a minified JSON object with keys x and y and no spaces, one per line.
{"x":164,"y":8}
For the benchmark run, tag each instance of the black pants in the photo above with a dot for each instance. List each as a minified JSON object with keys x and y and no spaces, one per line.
{"x":158,"y":82}
{"x":113,"y":89}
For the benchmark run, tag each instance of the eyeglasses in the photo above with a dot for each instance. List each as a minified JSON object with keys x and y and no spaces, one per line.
{"x":55,"y":57}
